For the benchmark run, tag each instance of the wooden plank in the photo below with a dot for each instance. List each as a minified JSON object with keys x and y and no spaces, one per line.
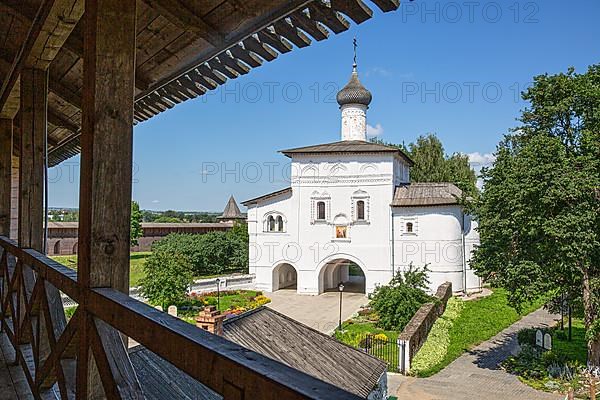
{"x":34,"y":94}
{"x":178,"y":14}
{"x":246,"y":56}
{"x":6,"y":147}
{"x":59,"y":121}
{"x":279,"y":43}
{"x":290,"y":32}
{"x":261,"y":49}
{"x":323,"y":13}
{"x":357,"y":10}
{"x":210,"y":359}
{"x":313,"y":28}
{"x":387,"y":5}
{"x":106,"y":164}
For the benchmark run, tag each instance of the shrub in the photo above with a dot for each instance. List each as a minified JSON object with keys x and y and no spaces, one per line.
{"x":526,"y":336}
{"x":397,"y":302}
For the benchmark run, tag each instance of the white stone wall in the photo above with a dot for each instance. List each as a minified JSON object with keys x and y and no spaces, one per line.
{"x":436,"y":240}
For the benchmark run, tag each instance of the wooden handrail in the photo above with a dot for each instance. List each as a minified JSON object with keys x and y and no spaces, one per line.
{"x":223,"y":366}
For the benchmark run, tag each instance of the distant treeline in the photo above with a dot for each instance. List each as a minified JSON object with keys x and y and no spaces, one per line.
{"x":171,"y":216}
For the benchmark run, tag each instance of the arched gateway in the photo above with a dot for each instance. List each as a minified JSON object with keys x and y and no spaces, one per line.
{"x":342,"y":269}
{"x":284,"y":277}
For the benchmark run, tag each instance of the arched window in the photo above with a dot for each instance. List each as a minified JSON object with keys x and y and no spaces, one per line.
{"x":279,"y":220}
{"x":360,"y":210}
{"x":57,"y":248}
{"x":271,"y":224}
{"x":409,"y":227}
{"x":75,"y":248}
{"x":321,"y":210}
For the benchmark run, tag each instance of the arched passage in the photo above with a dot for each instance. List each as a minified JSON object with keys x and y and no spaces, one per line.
{"x":57,"y":248}
{"x":284,"y":277}
{"x":345,"y":271}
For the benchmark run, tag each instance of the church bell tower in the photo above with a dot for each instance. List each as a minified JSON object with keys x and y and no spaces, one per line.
{"x":354,"y":100}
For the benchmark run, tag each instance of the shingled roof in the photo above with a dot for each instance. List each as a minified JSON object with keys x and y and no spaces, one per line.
{"x":290,"y":342}
{"x":232,"y":211}
{"x":348,"y":146}
{"x":426,"y":194}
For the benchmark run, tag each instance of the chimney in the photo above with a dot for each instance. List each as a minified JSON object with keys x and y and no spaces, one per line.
{"x":211,"y":320}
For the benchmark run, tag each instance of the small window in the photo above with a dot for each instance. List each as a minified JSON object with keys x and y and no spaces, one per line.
{"x":360,"y":210}
{"x":341,"y":232}
{"x":279,"y":221}
{"x":409,"y":227}
{"x":321,"y":210}
{"x":271,"y":224}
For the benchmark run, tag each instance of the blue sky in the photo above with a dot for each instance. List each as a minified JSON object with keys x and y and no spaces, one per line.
{"x":452,"y":68}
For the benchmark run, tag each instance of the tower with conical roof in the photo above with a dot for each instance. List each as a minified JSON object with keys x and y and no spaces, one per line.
{"x":232,"y":212}
{"x":354,"y":100}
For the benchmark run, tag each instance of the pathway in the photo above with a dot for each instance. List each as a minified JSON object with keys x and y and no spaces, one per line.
{"x":319,"y":312}
{"x":476,"y":374}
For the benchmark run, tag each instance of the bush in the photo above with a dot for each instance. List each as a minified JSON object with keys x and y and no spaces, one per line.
{"x":397,"y":302}
{"x":526,"y":336}
{"x":168,"y":274}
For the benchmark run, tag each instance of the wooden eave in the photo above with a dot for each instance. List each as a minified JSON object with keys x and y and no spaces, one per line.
{"x":184,"y":49}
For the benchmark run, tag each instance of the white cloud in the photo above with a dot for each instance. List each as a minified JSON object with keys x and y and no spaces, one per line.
{"x":478,"y":161}
{"x":155,"y":201}
{"x":374,"y":131}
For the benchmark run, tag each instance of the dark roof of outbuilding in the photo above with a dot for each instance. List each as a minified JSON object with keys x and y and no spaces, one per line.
{"x":283,"y":339}
{"x":348,"y":146}
{"x":426,"y":194}
{"x":267,"y":196}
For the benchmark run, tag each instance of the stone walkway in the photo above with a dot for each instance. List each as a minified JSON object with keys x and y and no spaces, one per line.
{"x":476,"y":374}
{"x":319,"y":312}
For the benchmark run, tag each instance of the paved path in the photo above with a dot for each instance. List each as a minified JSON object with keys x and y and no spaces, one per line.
{"x":319,"y":312}
{"x":476,"y":374}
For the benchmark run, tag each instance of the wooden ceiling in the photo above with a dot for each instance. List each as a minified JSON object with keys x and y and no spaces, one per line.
{"x":184,"y":48}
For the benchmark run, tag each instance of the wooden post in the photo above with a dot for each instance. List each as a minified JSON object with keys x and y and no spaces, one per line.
{"x":6,"y":147}
{"x":34,"y":99}
{"x":103,"y":367}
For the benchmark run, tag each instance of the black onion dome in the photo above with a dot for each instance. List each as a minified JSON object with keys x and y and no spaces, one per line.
{"x":354,"y":92}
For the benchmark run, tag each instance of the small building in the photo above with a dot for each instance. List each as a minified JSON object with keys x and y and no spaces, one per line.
{"x":282,"y":339}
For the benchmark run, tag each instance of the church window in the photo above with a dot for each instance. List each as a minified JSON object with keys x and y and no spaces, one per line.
{"x":271,"y":224}
{"x":321,"y":210}
{"x":360,"y":210}
{"x":279,"y":221}
{"x":409,"y":227}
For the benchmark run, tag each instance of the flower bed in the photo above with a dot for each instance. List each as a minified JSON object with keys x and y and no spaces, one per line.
{"x":231,"y":302}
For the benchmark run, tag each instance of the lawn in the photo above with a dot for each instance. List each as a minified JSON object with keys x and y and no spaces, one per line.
{"x":136,"y":271}
{"x":464,"y":325}
{"x":232,"y":302}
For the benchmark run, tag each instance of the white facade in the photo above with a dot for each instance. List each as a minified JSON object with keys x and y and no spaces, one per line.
{"x":338,"y":213}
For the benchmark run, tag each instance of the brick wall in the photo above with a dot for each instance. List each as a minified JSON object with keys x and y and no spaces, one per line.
{"x":415,"y":333}
{"x":14,"y":199}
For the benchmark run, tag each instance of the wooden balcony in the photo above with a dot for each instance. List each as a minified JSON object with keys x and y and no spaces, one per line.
{"x":75,"y":77}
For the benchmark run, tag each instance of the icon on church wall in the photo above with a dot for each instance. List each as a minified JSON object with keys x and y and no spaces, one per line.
{"x":341,"y":232}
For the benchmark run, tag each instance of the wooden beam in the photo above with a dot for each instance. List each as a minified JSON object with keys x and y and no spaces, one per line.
{"x":179,"y":15}
{"x":106,"y":174}
{"x":34,"y":98}
{"x":60,"y":122}
{"x":6,"y":144}
{"x":50,"y":28}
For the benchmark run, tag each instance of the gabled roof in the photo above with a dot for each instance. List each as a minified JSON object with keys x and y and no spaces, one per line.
{"x":426,"y":194}
{"x":283,"y":339}
{"x":232,"y":211}
{"x":267,"y":196}
{"x":348,"y":146}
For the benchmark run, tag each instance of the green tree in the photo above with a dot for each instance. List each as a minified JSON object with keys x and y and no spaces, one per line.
{"x":539,"y":213}
{"x":167,"y":278}
{"x":433,"y":165}
{"x":136,"y":223}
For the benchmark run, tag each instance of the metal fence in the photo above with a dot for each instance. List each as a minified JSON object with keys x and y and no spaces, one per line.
{"x":385,"y":349}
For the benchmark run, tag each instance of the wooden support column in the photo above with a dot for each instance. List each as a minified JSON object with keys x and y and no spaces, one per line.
{"x":34,"y":104}
{"x":105,"y":189}
{"x":6,"y":147}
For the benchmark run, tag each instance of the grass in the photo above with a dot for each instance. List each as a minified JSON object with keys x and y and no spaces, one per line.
{"x":136,"y":271}
{"x":354,"y":332}
{"x":574,"y":350}
{"x":476,"y":322}
{"x":233,"y":302}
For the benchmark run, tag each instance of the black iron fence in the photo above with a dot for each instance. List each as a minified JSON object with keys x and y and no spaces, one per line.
{"x":384,"y":348}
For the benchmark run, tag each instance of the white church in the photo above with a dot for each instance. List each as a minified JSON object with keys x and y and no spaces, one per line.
{"x":352,"y":216}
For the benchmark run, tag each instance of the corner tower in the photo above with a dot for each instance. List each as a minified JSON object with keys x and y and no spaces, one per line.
{"x":354,"y":100}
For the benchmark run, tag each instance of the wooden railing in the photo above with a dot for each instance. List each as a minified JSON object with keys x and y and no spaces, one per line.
{"x":48,"y":347}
